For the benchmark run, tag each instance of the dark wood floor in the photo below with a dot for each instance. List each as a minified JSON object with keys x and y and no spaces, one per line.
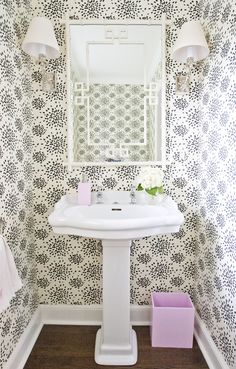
{"x":72,"y":347}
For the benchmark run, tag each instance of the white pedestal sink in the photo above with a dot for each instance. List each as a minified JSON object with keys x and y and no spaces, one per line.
{"x":116,"y":223}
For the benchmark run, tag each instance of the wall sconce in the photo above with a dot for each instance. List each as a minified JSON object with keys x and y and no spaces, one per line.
{"x":190,"y":47}
{"x":40,"y":42}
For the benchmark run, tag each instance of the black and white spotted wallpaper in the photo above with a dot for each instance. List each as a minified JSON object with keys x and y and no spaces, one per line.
{"x":215,"y":279}
{"x":16,"y":169}
{"x":69,"y":268}
{"x":200,"y":258}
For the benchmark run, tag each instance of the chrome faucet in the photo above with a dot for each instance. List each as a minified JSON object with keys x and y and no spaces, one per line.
{"x":99,"y":196}
{"x":132,"y":195}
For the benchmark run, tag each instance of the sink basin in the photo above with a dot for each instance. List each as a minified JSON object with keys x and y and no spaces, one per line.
{"x":115,"y":218}
{"x":116,"y":222}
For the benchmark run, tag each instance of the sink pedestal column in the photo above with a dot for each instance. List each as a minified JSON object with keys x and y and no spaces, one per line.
{"x":116,"y":342}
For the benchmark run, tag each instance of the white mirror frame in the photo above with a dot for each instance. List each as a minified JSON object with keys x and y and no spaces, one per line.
{"x":70,"y":163}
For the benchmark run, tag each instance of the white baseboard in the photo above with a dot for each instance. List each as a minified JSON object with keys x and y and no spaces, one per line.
{"x":207,"y":346}
{"x":26,"y":343}
{"x":88,"y":314}
{"x":92,"y":315}
{"x":71,"y":314}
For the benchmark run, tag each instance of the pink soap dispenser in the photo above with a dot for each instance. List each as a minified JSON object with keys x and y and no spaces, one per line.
{"x":84,"y":192}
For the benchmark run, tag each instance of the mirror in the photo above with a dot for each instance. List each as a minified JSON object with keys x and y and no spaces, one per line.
{"x":116,"y":93}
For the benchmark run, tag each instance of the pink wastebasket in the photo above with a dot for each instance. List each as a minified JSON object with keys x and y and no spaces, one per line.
{"x":172,"y":320}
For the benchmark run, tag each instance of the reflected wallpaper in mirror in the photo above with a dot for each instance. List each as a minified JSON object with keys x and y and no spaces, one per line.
{"x":115,"y":92}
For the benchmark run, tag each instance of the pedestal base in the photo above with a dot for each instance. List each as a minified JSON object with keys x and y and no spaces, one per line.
{"x":116,"y":355}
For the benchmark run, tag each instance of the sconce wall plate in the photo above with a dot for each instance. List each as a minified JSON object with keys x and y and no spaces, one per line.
{"x":49,"y":81}
{"x":182,"y":85}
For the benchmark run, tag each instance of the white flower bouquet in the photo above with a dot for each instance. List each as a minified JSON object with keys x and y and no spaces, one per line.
{"x":151,"y":181}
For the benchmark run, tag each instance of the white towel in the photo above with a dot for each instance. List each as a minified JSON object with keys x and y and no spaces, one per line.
{"x":9,"y":279}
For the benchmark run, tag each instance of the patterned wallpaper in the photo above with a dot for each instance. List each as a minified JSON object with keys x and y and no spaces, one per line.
{"x":215,"y":281}
{"x":16,"y":168}
{"x":116,"y":118}
{"x":69,"y":268}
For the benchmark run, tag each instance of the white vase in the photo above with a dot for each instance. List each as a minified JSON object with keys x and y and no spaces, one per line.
{"x":155,"y":200}
{"x":141,"y":198}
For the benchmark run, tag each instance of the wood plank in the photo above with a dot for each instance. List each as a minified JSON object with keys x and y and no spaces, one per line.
{"x":72,"y":347}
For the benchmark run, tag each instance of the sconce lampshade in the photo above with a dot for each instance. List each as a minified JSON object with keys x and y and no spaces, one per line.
{"x":40,"y":39}
{"x":191,"y":43}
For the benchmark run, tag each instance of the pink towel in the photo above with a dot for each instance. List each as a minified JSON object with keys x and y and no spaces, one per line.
{"x":9,"y":279}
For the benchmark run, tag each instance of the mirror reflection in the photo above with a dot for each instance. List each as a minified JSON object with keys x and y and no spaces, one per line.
{"x":116,"y":87}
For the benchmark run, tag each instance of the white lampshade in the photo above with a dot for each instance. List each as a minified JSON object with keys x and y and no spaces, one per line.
{"x":191,"y":43}
{"x":40,"y":39}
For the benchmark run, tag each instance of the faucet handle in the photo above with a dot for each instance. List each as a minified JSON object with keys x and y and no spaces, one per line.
{"x":99,"y":195}
{"x":132,"y":188}
{"x":132,"y":194}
